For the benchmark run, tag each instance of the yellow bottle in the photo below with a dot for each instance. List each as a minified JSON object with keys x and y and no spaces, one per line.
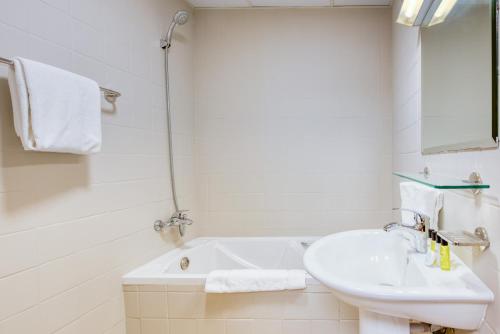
{"x":430,"y":256}
{"x":444,"y":253}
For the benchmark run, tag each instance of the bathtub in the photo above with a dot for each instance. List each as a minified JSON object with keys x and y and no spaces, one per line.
{"x":161,"y":297}
{"x":207,"y":254}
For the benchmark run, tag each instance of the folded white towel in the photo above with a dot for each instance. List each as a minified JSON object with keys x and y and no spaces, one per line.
{"x":420,"y":198}
{"x":251,"y":280}
{"x":55,"y":110}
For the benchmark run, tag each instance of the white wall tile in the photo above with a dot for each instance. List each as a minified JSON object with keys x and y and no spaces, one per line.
{"x":88,"y":11}
{"x":87,"y":40}
{"x":15,"y":42}
{"x":14,"y":13}
{"x":282,"y":123}
{"x":49,"y":23}
{"x":19,"y":292}
{"x":18,"y":252}
{"x":63,"y":5}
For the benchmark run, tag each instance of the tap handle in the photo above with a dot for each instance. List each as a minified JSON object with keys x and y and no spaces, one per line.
{"x":181,"y":214}
{"x":422,"y":222}
{"x":421,"y":219}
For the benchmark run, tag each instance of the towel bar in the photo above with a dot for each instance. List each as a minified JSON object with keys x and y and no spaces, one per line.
{"x":109,"y":95}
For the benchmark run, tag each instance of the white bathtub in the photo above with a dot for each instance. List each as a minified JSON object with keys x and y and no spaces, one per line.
{"x":163,"y":298}
{"x":207,"y":254}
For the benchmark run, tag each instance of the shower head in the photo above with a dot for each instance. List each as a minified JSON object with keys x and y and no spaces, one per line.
{"x":180,"y":18}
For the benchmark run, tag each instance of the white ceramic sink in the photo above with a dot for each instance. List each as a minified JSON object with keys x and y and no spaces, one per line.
{"x":377,"y":272}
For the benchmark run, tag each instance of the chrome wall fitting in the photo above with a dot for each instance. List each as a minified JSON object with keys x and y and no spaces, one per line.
{"x":178,"y":219}
{"x":464,"y":238}
{"x":426,"y":171}
{"x":475,"y":178}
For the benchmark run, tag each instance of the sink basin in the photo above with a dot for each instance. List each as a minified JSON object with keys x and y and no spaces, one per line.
{"x":378,"y":272}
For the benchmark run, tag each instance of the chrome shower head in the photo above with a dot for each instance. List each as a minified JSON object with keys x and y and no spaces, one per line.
{"x":180,"y":18}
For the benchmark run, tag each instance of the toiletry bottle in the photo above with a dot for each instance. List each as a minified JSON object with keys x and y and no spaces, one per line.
{"x":445,"y":255}
{"x":433,"y":241}
{"x":438,"y":250}
{"x":430,"y":256}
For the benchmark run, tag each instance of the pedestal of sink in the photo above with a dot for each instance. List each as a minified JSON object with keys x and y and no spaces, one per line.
{"x":375,"y":323}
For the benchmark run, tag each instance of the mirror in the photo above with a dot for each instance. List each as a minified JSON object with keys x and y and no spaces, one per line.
{"x":459,"y":79}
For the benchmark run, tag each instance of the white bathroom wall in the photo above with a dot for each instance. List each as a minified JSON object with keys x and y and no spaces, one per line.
{"x":293,"y":120}
{"x":461,"y":209}
{"x":70,"y":226}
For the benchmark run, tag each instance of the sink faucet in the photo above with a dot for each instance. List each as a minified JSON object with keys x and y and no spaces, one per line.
{"x":179,"y":219}
{"x":418,"y":231}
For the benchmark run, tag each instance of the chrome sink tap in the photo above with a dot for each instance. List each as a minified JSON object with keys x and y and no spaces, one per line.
{"x":179,"y":219}
{"x":418,"y":231}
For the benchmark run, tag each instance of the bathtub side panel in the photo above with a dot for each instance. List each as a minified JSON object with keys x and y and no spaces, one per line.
{"x":187,"y":309}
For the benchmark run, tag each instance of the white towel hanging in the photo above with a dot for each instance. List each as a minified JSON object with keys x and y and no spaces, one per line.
{"x":54,"y":110}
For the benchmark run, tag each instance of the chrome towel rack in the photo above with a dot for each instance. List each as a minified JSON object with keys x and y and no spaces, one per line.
{"x":109,"y":94}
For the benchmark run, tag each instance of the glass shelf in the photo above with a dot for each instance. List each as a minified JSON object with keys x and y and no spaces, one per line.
{"x":441,"y":181}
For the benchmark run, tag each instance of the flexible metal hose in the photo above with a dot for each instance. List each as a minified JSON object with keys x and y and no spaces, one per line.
{"x":169,"y":130}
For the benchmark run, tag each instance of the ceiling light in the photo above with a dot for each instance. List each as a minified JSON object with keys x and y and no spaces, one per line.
{"x":409,"y":12}
{"x":438,"y":12}
{"x":424,"y":12}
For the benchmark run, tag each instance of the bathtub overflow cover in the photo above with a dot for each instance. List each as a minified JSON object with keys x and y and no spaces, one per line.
{"x":184,"y":263}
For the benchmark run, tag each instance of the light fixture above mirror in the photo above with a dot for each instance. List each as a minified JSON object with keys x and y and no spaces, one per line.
{"x":424,"y":12}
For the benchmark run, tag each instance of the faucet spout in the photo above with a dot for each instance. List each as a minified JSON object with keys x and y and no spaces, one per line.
{"x":418,"y":230}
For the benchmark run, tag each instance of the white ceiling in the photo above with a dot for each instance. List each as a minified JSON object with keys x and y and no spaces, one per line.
{"x":287,"y":3}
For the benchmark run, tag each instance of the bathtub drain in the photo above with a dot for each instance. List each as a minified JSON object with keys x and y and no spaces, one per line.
{"x":184,"y":263}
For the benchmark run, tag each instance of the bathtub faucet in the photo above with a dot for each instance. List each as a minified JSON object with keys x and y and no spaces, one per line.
{"x":179,"y":219}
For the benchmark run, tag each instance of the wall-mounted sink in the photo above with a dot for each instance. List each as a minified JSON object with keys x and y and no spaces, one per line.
{"x":377,"y":272}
